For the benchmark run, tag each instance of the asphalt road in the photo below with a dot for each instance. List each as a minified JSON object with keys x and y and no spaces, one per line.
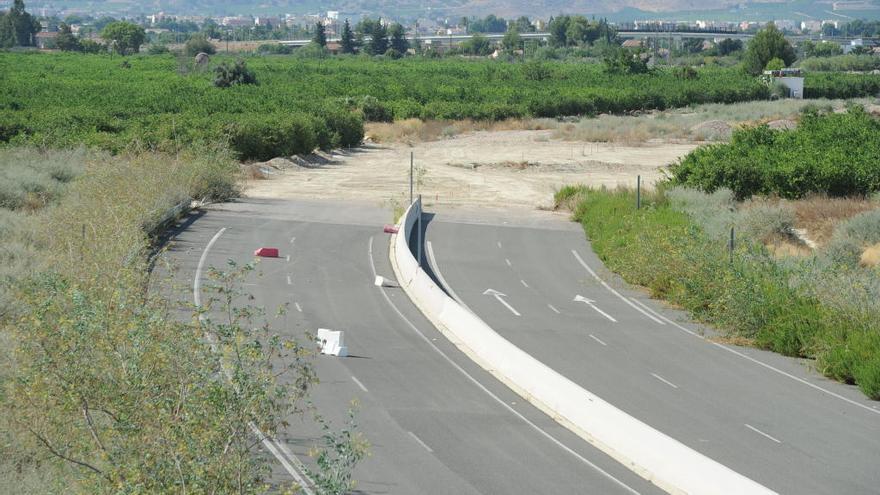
{"x":437,"y":422}
{"x":765,"y":416}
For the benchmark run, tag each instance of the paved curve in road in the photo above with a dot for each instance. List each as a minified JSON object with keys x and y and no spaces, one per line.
{"x":765,"y":416}
{"x":437,"y":422}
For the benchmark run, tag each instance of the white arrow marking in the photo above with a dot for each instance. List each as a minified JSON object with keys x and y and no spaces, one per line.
{"x":591,"y":303}
{"x":498,"y":295}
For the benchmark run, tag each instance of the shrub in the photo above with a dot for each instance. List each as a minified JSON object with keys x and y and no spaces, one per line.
{"x":158,"y":49}
{"x":197,"y":45}
{"x":274,"y":136}
{"x":237,"y":74}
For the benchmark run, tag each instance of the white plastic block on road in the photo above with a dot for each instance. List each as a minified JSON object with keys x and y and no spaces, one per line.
{"x":332,"y":342}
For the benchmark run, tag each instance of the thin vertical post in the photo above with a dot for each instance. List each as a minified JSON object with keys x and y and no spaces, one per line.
{"x":731,"y":244}
{"x":638,"y":192}
{"x":410,"y":177}
{"x":419,"y":227}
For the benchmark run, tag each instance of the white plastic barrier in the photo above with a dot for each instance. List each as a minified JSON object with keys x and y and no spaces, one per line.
{"x":332,"y":342}
{"x":655,"y":456}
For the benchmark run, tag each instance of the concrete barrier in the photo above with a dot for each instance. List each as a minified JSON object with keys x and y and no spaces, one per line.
{"x":655,"y":456}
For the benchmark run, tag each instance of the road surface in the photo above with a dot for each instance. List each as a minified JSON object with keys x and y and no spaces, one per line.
{"x":437,"y":422}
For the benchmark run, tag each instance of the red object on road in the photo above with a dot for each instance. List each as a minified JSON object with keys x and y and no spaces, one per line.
{"x":390,"y":229}
{"x":267,"y":252}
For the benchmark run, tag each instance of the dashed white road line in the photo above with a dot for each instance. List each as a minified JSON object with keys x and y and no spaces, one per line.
{"x":277,"y":448}
{"x":554,"y":309}
{"x":359,"y":384}
{"x":288,"y":258}
{"x":292,"y":239}
{"x":524,"y":284}
{"x":488,"y":392}
{"x":759,"y":432}
{"x":664,"y":380}
{"x":499,"y":244}
{"x":508,"y":262}
{"x":289,"y":282}
{"x":419,"y":440}
{"x":298,"y":307}
{"x":597,"y":340}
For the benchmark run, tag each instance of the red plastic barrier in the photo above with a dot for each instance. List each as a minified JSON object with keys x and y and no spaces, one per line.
{"x":390,"y":229}
{"x":267,"y":252}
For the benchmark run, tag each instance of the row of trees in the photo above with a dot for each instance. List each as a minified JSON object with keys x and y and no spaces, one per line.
{"x":368,"y":36}
{"x":573,"y":30}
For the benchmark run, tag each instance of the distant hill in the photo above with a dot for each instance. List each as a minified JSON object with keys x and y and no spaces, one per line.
{"x":411,"y":9}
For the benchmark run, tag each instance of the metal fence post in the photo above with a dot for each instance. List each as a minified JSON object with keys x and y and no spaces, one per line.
{"x":638,"y":192}
{"x":730,"y":244}
{"x":410,"y":177}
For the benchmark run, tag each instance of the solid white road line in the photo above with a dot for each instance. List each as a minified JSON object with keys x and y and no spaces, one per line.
{"x":759,"y":432}
{"x":597,"y":340}
{"x":508,"y":262}
{"x":419,"y":440}
{"x":554,"y":309}
{"x":488,"y":392}
{"x":272,"y":445}
{"x":645,"y":307}
{"x":433,"y":262}
{"x":524,"y":283}
{"x":734,"y":351}
{"x":359,"y":384}
{"x":611,"y":289}
{"x":298,"y":307}
{"x":655,"y":375}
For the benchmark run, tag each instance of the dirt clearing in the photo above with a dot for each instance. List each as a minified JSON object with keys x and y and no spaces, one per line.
{"x":519,"y":168}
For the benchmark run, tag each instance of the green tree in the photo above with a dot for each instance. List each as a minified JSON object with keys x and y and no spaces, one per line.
{"x":558,"y":28}
{"x":768,"y":43}
{"x":66,"y":41}
{"x":477,"y":45}
{"x":92,"y":46}
{"x":775,"y":64}
{"x":199,"y":44}
{"x":379,"y":39}
{"x":524,"y":25}
{"x":124,"y":37}
{"x":399,"y":42}
{"x":320,"y":37}
{"x":18,"y":27}
{"x":347,"y":42}
{"x":728,"y":46}
{"x":512,"y":40}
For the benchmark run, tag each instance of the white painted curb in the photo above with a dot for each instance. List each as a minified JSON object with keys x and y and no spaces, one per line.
{"x":655,"y":456}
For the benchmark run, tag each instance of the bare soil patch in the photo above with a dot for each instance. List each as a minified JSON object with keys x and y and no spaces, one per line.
{"x":517,"y":168}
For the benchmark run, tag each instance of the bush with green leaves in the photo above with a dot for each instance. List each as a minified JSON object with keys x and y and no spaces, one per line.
{"x":197,"y":45}
{"x":834,"y":154}
{"x":237,"y":74}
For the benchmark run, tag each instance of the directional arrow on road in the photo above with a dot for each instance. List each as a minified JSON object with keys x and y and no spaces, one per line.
{"x":498,"y":295}
{"x":591,"y":303}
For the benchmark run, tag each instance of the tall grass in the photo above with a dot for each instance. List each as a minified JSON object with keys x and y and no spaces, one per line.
{"x":799,"y":308}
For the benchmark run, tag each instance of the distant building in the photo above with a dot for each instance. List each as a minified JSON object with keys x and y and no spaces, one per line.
{"x":333,"y":14}
{"x":811,"y":26}
{"x":45,"y":40}
{"x":237,"y":21}
{"x":791,"y":79}
{"x":632,"y":44}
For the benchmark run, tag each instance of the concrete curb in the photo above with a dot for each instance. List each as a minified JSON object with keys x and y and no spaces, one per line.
{"x":651,"y":454}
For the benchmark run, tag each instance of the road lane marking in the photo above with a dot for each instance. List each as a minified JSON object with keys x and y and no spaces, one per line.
{"x":759,"y":432}
{"x":289,"y":282}
{"x":419,"y":440}
{"x":664,"y":380}
{"x":433,"y":262}
{"x":497,"y":295}
{"x":554,"y":309}
{"x":288,"y":258}
{"x":292,"y":239}
{"x":499,"y":244}
{"x":524,"y":283}
{"x":272,"y":444}
{"x":298,"y":307}
{"x":771,"y":368}
{"x":488,"y":392}
{"x":645,"y":306}
{"x":508,"y":262}
{"x":611,"y":289}
{"x":597,"y":340}
{"x":359,"y":384}
{"x":591,"y":303}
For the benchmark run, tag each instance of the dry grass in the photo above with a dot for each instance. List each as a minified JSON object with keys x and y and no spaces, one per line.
{"x":710,"y":122}
{"x":871,"y":256}
{"x":819,"y":215}
{"x":415,"y":130}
